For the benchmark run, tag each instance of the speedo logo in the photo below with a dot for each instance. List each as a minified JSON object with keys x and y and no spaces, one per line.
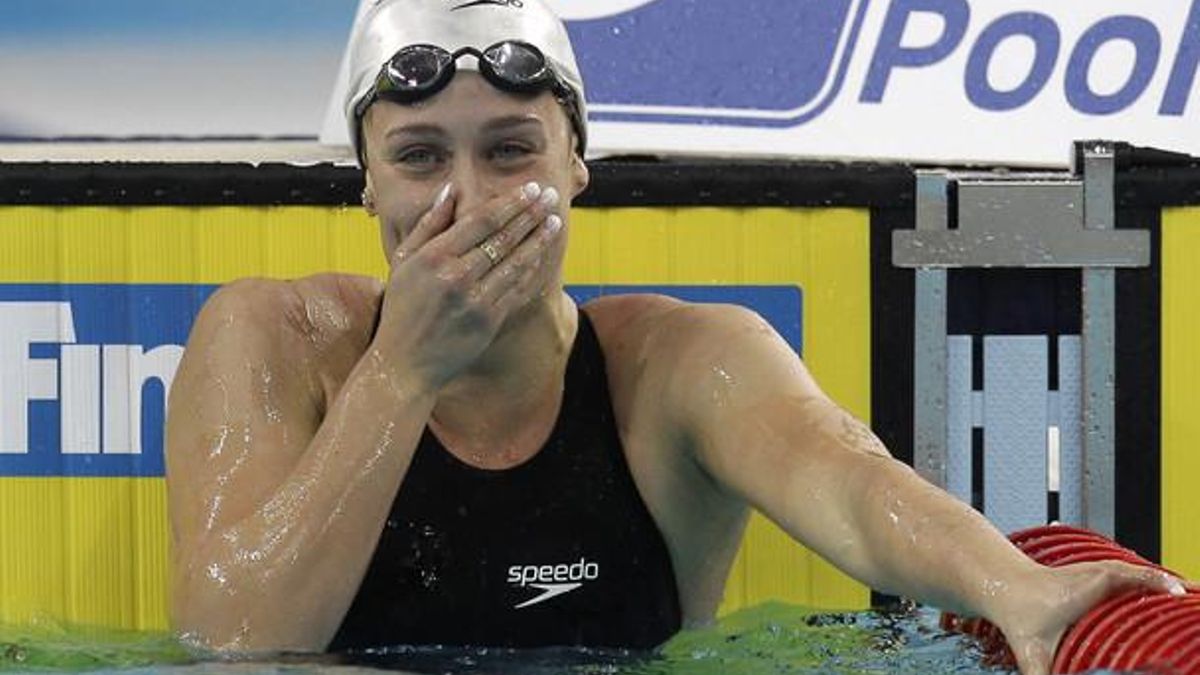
{"x":515,"y":4}
{"x":552,"y":580}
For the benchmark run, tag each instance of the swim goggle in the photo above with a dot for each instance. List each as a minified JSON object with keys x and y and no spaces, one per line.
{"x":419,"y":71}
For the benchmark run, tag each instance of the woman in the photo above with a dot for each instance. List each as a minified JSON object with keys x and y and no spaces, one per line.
{"x":460,"y":455}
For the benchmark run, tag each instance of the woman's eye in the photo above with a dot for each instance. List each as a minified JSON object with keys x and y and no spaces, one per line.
{"x":510,"y":151}
{"x":418,"y":157}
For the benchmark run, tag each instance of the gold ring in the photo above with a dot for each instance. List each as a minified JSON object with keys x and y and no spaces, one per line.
{"x":489,"y":249}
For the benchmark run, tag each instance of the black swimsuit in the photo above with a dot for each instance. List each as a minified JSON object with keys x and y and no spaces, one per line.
{"x":560,"y":550}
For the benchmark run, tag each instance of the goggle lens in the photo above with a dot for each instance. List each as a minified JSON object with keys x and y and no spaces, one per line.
{"x":516,"y":63}
{"x":416,"y":68}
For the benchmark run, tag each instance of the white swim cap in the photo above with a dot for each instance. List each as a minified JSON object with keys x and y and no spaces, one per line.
{"x":390,"y":25}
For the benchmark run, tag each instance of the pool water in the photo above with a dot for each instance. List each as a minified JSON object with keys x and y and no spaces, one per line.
{"x":770,"y":638}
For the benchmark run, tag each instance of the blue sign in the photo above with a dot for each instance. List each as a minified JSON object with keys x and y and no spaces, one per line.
{"x":776,"y":63}
{"x":85,"y":369}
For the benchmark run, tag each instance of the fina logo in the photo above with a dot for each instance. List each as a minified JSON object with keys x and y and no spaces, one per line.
{"x":652,"y":61}
{"x":98,"y":387}
{"x":85,"y":370}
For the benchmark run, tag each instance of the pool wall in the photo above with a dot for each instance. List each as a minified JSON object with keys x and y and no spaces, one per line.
{"x":103,"y":266}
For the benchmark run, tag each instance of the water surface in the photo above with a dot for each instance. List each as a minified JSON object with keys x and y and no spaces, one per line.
{"x":770,"y":638}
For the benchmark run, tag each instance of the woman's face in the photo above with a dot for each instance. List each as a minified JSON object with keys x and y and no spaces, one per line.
{"x":484,"y":141}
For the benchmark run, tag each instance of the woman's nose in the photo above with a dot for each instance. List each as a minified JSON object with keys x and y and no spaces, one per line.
{"x":472,"y":186}
{"x":475,"y":184}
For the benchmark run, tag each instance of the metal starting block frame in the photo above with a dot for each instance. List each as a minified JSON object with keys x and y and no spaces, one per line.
{"x":1023,"y":220}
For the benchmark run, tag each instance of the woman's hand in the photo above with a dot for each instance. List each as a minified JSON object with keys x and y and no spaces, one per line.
{"x":452,"y":285}
{"x":1044,"y":609}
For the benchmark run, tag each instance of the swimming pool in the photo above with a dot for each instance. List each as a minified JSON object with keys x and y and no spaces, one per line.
{"x":767,"y":638}
{"x":85,"y":526}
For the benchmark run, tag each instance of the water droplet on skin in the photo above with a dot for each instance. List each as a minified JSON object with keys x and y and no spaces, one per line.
{"x":723,"y":386}
{"x":218,"y":445}
{"x":270,"y":409}
{"x":214,"y":510}
{"x":217,"y":574}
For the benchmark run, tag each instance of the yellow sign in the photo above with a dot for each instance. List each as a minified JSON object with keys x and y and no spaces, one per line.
{"x":1180,"y":393}
{"x":93,"y":549}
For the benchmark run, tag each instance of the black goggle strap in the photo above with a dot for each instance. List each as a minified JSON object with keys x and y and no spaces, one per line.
{"x":393,"y":77}
{"x":390,"y":81}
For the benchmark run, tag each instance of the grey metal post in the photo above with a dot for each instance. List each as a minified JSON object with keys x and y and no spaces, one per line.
{"x":930,"y":450}
{"x":1099,"y":346}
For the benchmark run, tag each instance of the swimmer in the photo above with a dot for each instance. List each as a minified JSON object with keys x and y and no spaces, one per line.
{"x":461,"y":455}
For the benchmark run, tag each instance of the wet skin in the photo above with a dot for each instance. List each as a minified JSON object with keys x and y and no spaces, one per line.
{"x":292,"y":426}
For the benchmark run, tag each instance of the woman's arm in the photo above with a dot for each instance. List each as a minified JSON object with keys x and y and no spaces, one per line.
{"x":756,"y":421}
{"x":276,"y":504}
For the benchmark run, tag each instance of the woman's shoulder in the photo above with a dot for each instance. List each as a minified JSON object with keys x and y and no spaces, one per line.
{"x":313,"y":303}
{"x":310,"y":331}
{"x":315,"y":312}
{"x":624,"y":311}
{"x":625,"y":324}
{"x":644,"y":333}
{"x":641,"y":315}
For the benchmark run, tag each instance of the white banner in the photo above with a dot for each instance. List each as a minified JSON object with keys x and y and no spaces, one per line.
{"x":942,"y":81}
